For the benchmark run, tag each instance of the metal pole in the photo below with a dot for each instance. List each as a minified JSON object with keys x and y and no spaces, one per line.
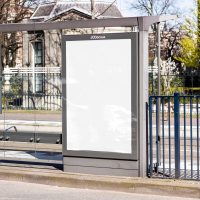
{"x":158,"y":55}
{"x":92,"y":13}
{"x":150,"y":138}
{"x":147,"y":139}
{"x":0,"y":81}
{"x":177,"y":135}
{"x":93,"y":9}
{"x":158,"y":92}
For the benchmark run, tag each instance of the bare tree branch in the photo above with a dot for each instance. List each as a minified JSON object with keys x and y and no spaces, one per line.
{"x":154,"y":7}
{"x":107,"y":8}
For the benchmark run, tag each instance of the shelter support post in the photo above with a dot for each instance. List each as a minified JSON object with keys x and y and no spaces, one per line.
{"x":142,"y":99}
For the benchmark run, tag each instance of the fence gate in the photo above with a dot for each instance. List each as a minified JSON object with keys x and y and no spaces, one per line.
{"x":30,"y":123}
{"x":173,"y":136}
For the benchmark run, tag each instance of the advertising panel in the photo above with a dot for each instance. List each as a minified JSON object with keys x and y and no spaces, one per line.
{"x":100,"y":95}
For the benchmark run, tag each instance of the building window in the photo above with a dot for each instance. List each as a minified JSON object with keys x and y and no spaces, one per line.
{"x":38,"y":78}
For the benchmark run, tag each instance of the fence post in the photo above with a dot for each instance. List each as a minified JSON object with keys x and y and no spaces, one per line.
{"x":147,"y":137}
{"x":150,"y":138}
{"x":177,"y":134}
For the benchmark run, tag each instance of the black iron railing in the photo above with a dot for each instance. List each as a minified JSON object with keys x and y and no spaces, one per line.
{"x":173,"y":139}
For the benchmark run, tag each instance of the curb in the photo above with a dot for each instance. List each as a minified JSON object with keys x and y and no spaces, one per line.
{"x":165,"y":187}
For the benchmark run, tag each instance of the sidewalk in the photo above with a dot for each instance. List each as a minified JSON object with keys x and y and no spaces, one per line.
{"x":52,"y":176}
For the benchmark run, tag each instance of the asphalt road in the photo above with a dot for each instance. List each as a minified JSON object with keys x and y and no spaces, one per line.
{"x":57,"y":116}
{"x":46,"y":116}
{"x":10,"y":190}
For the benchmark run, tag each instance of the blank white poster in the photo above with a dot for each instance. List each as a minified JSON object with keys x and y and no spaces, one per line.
{"x":99,"y":95}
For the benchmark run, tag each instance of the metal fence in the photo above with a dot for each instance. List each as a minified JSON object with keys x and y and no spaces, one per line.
{"x":173,"y":136}
{"x":32,"y":89}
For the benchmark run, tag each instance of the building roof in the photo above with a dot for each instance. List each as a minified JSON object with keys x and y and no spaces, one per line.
{"x":49,"y":11}
{"x":43,"y":10}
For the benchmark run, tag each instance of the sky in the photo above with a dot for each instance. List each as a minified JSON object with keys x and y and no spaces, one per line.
{"x":183,"y":5}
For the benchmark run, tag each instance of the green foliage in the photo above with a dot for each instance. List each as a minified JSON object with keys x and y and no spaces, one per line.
{"x":16,"y":85}
{"x":189,"y":52}
{"x":176,"y":85}
{"x":16,"y":89}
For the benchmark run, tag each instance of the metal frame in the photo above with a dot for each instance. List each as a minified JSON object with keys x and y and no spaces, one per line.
{"x":134,"y":101}
{"x":143,"y":24}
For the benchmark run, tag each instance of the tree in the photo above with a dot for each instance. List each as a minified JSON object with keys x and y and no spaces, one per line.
{"x":189,"y":53}
{"x":12,"y":11}
{"x":198,"y":26}
{"x":155,"y":7}
{"x":189,"y":50}
{"x":170,"y":33}
{"x":160,"y":7}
